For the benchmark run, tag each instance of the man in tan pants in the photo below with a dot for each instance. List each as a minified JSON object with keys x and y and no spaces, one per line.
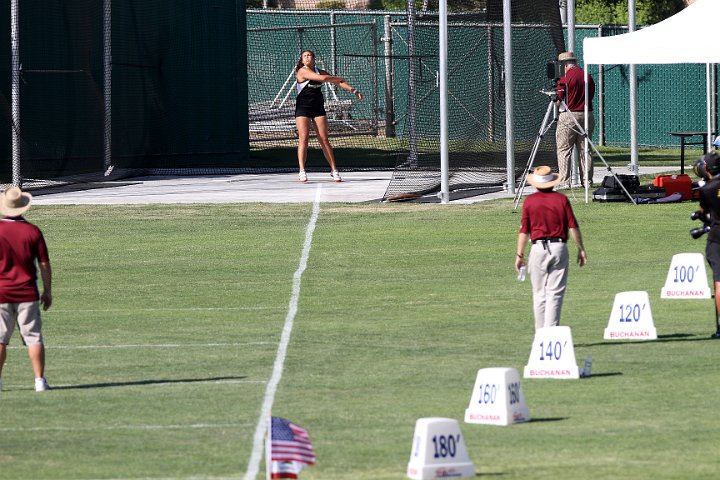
{"x":22,"y":247}
{"x":568,"y":136}
{"x":547,"y":219}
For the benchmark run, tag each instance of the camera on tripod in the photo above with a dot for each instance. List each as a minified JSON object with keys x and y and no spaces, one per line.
{"x":700,"y":231}
{"x":555,"y":70}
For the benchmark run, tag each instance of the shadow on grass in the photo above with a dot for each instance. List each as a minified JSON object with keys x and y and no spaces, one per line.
{"x":146,"y":382}
{"x":548,"y":419}
{"x":608,"y":374}
{"x":674,"y":337}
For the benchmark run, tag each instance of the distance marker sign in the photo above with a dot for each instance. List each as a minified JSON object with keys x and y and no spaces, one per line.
{"x":631,"y":318}
{"x":439,"y":451}
{"x":497,"y":398}
{"x":686,"y":278}
{"x":552,"y":354}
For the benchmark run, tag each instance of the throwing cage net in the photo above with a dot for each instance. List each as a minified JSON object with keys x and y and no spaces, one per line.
{"x":103,"y":90}
{"x":345,"y":43}
{"x":393,"y":60}
{"x":476,"y":96}
{"x":96,"y":90}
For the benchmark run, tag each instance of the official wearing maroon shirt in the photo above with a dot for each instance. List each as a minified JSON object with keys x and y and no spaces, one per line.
{"x":547,"y":219}
{"x":571,"y":90}
{"x":21,"y":246}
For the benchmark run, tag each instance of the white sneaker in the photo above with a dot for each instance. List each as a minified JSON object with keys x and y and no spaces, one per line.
{"x":302,"y":176}
{"x":41,"y":385}
{"x":336,"y":176}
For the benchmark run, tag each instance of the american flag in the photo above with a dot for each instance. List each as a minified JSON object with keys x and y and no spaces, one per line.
{"x":290,"y":449}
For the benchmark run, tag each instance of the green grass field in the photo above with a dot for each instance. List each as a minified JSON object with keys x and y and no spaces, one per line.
{"x":167,"y":319}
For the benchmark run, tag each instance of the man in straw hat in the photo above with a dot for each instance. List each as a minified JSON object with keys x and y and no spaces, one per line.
{"x":547,"y":218}
{"x":571,"y":90}
{"x":21,"y":244}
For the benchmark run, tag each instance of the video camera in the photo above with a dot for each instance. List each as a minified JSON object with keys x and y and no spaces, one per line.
{"x":700,"y":231}
{"x":706,"y":167}
{"x":555,"y":70}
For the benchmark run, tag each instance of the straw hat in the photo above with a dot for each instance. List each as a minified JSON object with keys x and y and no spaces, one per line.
{"x":567,"y":57}
{"x":543,"y":177}
{"x":14,"y":202}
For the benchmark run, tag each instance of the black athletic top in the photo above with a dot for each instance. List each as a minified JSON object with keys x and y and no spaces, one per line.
{"x":310,"y":101}
{"x":710,"y":202}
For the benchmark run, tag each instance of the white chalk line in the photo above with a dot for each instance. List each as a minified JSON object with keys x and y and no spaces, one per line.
{"x":149,"y":345}
{"x":271,"y":386}
{"x":195,"y":426}
{"x":194,"y":477}
{"x":164,"y":309}
{"x":262,"y":425}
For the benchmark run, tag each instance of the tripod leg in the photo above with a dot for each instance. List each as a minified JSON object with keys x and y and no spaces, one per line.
{"x":587,"y":138}
{"x":544,"y":127}
{"x":717,"y":317}
{"x":523,"y":181}
{"x":630,"y":197}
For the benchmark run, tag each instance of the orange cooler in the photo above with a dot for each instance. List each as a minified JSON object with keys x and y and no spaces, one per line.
{"x":675,"y":183}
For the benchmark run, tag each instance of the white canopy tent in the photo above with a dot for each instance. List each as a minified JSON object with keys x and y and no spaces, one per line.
{"x":689,"y":36}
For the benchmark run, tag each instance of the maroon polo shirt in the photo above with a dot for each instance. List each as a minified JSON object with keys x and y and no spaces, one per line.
{"x":21,"y":243}
{"x":547,"y":213}
{"x":571,"y":88}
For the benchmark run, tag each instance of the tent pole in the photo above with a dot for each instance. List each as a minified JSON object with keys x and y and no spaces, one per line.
{"x":633,"y":98}
{"x":713,"y":100}
{"x":575,"y":159}
{"x":509,"y":132}
{"x":107,"y":86}
{"x":444,"y":160}
{"x":571,"y":25}
{"x":586,"y":147}
{"x":713,"y":97}
{"x":15,"y":90}
{"x":412,"y":86}
{"x":708,"y":96}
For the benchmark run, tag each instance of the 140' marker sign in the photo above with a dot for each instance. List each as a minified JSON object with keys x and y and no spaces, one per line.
{"x":552,"y":354}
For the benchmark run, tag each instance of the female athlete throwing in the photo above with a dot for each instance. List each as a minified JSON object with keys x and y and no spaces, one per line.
{"x":310,"y":109}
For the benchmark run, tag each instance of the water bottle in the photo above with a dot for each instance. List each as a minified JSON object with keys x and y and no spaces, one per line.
{"x":521,"y":274}
{"x":586,"y":371}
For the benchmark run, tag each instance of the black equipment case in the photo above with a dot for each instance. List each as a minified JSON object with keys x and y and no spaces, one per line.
{"x":603,"y":194}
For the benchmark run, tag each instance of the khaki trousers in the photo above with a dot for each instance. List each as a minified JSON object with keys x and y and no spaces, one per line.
{"x":567,"y":137}
{"x":548,"y":270}
{"x":27,"y":315}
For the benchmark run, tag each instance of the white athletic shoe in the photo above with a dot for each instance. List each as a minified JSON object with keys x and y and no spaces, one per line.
{"x":41,"y":385}
{"x":336,"y":176}
{"x":302,"y":176}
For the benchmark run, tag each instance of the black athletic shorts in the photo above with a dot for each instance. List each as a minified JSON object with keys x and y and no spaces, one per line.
{"x":311,"y":111}
{"x":712,"y":255}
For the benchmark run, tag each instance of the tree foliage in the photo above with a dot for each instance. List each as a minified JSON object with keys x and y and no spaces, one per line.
{"x":432,"y":5}
{"x":605,"y":12}
{"x":647,"y":12}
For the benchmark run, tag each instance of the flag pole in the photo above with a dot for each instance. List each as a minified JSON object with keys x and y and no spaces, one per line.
{"x":268,"y":439}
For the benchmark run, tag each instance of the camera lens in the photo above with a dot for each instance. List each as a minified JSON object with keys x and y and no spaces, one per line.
{"x":699,"y":232}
